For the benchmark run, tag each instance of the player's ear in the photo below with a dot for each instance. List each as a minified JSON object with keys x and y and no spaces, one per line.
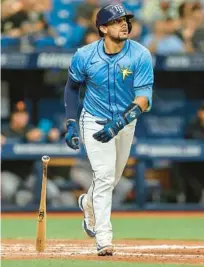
{"x":103,"y":29}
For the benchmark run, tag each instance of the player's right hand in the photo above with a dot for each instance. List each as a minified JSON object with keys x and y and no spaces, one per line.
{"x":72,"y":136}
{"x":111,"y":129}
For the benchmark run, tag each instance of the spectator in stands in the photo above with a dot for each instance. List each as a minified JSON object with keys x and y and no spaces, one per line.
{"x":198,"y":36}
{"x":13,"y":18}
{"x":163,"y":41}
{"x":189,"y":176}
{"x":18,"y":180}
{"x":154,"y":10}
{"x":53,"y":135}
{"x":14,"y":172}
{"x":85,"y":11}
{"x":50,"y":133}
{"x":10,"y":7}
{"x":195,"y":130}
{"x":191,"y":29}
{"x":24,"y":19}
{"x":19,"y":129}
{"x":36,"y":23}
{"x":197,"y":14}
{"x":91,"y":36}
{"x":186,"y":25}
{"x":185,"y":10}
{"x":139,"y":30}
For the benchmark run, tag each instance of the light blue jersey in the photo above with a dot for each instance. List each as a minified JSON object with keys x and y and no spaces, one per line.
{"x":112,"y":82}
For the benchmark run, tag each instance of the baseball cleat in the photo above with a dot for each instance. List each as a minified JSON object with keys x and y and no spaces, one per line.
{"x":105,"y":251}
{"x":89,"y":221}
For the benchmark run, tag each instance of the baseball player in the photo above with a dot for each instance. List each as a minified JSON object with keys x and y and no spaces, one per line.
{"x":118,"y":76}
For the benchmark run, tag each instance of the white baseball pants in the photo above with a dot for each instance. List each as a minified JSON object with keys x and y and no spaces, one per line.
{"x":108,"y":161}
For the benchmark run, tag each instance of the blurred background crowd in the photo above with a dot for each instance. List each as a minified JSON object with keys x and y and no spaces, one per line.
{"x":164,"y":26}
{"x":32,"y":100}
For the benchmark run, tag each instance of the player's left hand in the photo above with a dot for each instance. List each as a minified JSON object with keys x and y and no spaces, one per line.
{"x":111,"y":129}
{"x":72,"y":137}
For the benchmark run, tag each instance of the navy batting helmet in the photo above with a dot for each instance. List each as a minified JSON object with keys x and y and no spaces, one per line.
{"x":111,"y":12}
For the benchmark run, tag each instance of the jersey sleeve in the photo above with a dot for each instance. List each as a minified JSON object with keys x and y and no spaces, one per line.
{"x":76,"y":69}
{"x":144,"y":77}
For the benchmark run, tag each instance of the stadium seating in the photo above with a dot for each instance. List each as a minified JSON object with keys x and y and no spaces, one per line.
{"x":8,"y":43}
{"x":133,"y":6}
{"x":62,"y":19}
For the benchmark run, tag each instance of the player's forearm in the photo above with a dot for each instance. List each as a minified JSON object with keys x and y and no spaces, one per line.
{"x":135,"y":109}
{"x":71,"y":97}
{"x":142,"y":102}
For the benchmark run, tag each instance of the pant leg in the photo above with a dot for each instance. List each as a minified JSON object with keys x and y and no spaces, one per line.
{"x":102,"y":157}
{"x":123,"y":145}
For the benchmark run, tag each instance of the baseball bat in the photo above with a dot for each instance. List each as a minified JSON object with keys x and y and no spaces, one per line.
{"x":41,"y":223}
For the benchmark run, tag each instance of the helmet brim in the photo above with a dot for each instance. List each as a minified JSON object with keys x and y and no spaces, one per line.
{"x":128,"y":16}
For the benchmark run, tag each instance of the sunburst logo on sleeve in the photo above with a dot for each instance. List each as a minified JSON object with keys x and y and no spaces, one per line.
{"x":125,"y":72}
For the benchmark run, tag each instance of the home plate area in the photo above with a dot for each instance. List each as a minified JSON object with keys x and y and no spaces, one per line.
{"x":158,"y":251}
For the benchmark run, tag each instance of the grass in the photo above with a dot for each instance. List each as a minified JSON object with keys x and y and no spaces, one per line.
{"x":129,"y":228}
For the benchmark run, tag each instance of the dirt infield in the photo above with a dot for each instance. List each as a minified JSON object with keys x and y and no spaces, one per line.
{"x":154,"y":251}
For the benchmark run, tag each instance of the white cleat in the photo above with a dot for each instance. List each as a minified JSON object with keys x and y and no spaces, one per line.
{"x":89,"y":221}
{"x":105,"y":251}
{"x":104,"y":245}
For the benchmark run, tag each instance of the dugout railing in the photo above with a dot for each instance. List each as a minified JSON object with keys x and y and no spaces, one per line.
{"x":143,"y":151}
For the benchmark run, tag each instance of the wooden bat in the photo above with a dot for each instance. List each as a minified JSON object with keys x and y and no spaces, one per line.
{"x":41,"y":223}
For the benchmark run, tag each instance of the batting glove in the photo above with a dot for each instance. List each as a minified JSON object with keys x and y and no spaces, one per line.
{"x":111,"y":129}
{"x":72,"y":137}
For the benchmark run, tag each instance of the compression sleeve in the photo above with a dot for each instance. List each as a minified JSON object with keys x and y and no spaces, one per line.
{"x":144,"y":77}
{"x":71,"y":98}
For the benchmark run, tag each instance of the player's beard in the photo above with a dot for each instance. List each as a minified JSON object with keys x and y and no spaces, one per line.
{"x":119,"y":38}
